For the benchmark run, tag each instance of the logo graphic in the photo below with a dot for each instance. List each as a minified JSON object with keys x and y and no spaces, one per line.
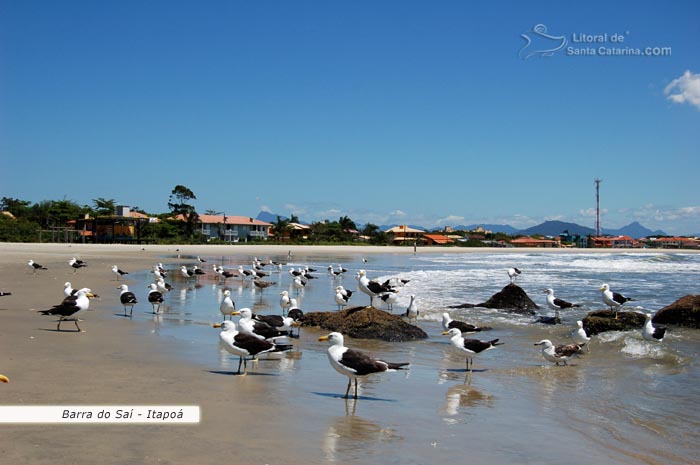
{"x":538,"y":42}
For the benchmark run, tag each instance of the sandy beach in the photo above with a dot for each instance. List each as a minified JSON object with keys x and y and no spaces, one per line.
{"x":117,"y":362}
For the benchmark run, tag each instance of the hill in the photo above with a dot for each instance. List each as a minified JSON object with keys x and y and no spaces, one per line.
{"x":554,"y":228}
{"x":634,"y":230}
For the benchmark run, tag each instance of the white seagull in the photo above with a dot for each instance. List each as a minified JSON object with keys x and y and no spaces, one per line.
{"x":119,"y":272}
{"x":354,"y":363}
{"x":127,"y":298}
{"x":580,"y":337}
{"x":613,"y":299}
{"x":465,"y":328}
{"x":412,"y":310}
{"x":470,"y":348}
{"x":35,"y":266}
{"x":155,"y":297}
{"x":244,"y":345}
{"x":72,"y":306}
{"x":285,"y":302}
{"x":227,"y":305}
{"x":340,"y":298}
{"x":651,"y":333}
{"x":513,"y":274}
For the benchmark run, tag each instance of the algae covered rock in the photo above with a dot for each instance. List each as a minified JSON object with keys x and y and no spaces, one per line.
{"x":366,"y":323}
{"x":683,"y":312}
{"x":604,"y":320}
{"x":511,"y":298}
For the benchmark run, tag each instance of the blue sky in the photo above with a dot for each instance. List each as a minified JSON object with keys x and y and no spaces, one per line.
{"x":386,"y":111}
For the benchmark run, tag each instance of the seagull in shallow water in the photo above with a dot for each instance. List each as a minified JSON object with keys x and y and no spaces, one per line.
{"x":354,"y":363}
{"x":412,"y":310}
{"x":580,"y":337}
{"x":650,"y":332}
{"x":465,"y":328}
{"x":558,"y":354}
{"x":470,"y":348}
{"x":155,"y":297}
{"x":227,"y":305}
{"x":127,"y":298}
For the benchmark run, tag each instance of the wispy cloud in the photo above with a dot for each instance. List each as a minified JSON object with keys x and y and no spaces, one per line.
{"x":685,"y":89}
{"x":398,"y":213}
{"x":450,"y":220}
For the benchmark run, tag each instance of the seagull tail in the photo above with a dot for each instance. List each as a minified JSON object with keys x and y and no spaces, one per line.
{"x":397,"y":366}
{"x":283,"y":347}
{"x":495,"y":342}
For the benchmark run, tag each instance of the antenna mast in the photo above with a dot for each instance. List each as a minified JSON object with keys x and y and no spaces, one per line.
{"x":597,"y":207}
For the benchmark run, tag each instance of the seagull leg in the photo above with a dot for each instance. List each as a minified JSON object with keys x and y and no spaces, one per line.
{"x":240,"y":361}
{"x":355,"y":388}
{"x":347,"y":391}
{"x":58,"y":328}
{"x":76,"y":325}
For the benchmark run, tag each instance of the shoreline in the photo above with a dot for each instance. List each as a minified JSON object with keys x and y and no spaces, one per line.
{"x":118,"y":361}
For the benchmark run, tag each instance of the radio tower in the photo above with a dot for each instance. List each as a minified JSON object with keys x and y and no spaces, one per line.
{"x":597,"y":207}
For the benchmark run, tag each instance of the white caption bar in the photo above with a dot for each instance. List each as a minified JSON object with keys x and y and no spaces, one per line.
{"x":73,"y":414}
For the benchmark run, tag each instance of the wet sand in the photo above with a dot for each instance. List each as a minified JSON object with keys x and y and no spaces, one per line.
{"x":118,"y":362}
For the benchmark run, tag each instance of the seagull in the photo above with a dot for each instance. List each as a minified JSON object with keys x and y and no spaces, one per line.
{"x":557,"y":304}
{"x":470,"y":348}
{"x":68,"y":289}
{"x":651,"y":333}
{"x":448,"y":323}
{"x":261,"y":284}
{"x":255,"y":328}
{"x":389,"y":299}
{"x":116,"y":270}
{"x":297,"y":315}
{"x":354,"y":363}
{"x":244,"y":345}
{"x":278,"y":322}
{"x":155,"y":297}
{"x":244,"y":273}
{"x":127,"y":298}
{"x":163,"y":287}
{"x":513,"y":274}
{"x":298,"y":284}
{"x":35,"y":266}
{"x":340,"y":298}
{"x":560,"y":353}
{"x":71,"y":306}
{"x":76,"y":264}
{"x":332,"y":272}
{"x":200,"y":259}
{"x":412,"y":310}
{"x":613,"y":299}
{"x":285,"y":302}
{"x":371,"y":288}
{"x":580,"y":337}
{"x":227,"y":305}
{"x":187,"y":274}
{"x":341,"y":269}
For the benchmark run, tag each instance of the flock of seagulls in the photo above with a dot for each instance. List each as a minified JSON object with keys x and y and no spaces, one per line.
{"x":253,"y":334}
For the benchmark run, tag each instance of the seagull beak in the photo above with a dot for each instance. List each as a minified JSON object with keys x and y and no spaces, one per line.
{"x":216,"y":325}
{"x":90,"y":295}
{"x":4,"y":379}
{"x":537,"y":344}
{"x":323,"y":338}
{"x":296,"y":324}
{"x":601,"y":288}
{"x":445,"y":333}
{"x":235,"y":312}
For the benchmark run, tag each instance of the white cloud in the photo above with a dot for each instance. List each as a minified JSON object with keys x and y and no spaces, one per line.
{"x":684,"y":89}
{"x":590,"y":212}
{"x":265,"y":208}
{"x":450,"y":220}
{"x":398,"y":213}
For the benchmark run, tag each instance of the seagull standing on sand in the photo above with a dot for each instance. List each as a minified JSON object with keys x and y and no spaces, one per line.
{"x":354,"y":363}
{"x":127,"y":298}
{"x":72,"y":306}
{"x":119,"y":272}
{"x":68,"y":289}
{"x":613,"y":299}
{"x":580,"y":337}
{"x":558,"y":354}
{"x":35,"y":266}
{"x":76,"y":264}
{"x":651,"y":333}
{"x":513,"y":274}
{"x":470,"y":348}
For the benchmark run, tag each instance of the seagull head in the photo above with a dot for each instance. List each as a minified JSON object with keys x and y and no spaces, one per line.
{"x":452,"y":332}
{"x":579,"y":324}
{"x":227,"y":325}
{"x":334,"y":338}
{"x":548,"y":291}
{"x":604,"y":288}
{"x":544,"y":342}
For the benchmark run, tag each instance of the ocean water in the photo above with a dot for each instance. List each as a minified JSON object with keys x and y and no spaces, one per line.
{"x":627,"y":401}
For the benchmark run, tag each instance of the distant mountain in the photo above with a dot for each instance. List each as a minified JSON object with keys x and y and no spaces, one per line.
{"x":554,"y":228}
{"x":634,"y":230}
{"x":496,"y":228}
{"x":269,"y":217}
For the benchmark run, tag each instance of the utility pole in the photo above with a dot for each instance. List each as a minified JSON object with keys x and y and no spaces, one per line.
{"x":597,"y":207}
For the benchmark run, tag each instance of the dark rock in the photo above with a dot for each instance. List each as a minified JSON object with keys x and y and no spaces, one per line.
{"x":511,"y":298}
{"x":366,"y":323}
{"x":601,"y":321}
{"x":683,"y":312}
{"x":549,"y":320}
